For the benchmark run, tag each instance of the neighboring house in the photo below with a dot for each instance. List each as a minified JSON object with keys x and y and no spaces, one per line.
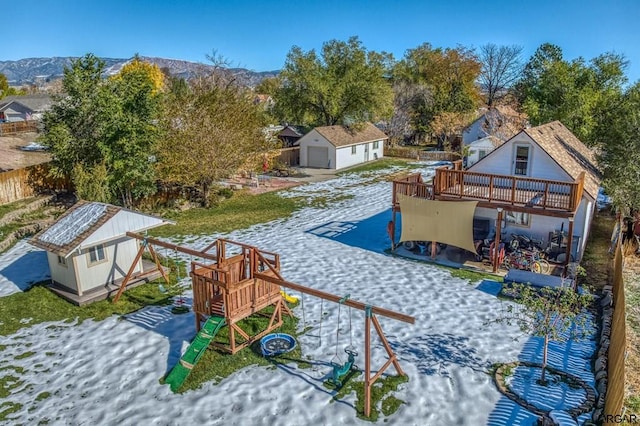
{"x":337,"y":147}
{"x":25,"y":107}
{"x":289,"y":136}
{"x":479,"y":149}
{"x":89,"y":252}
{"x":266,"y":101}
{"x":501,"y":122}
{"x":548,"y":152}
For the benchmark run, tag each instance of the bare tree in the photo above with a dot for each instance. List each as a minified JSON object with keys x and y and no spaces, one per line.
{"x":501,"y":68}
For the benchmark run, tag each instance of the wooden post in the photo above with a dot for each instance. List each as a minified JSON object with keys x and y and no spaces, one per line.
{"x":496,"y":241}
{"x":434,"y":249}
{"x":569,"y":242}
{"x":154,"y":256}
{"x":130,"y":272}
{"x":367,"y":361}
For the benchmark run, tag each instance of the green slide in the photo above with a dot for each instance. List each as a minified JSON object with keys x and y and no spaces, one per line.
{"x":194,"y":352}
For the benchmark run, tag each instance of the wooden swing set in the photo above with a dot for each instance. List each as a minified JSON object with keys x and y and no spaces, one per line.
{"x":246,"y":282}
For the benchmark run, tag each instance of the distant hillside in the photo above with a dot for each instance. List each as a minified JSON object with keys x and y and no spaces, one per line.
{"x":44,"y":70}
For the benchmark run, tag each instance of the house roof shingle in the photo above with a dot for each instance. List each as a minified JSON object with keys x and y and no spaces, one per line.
{"x":569,"y":152}
{"x":340,"y":136}
{"x":36,"y":103}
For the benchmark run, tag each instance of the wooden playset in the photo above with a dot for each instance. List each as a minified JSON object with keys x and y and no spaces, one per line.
{"x":233,"y":281}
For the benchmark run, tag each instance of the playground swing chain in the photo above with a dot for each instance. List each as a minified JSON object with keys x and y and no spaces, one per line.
{"x":179,"y":306}
{"x":339,"y":368}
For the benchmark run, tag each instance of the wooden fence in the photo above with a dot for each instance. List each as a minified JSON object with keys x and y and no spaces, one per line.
{"x":15,"y":127}
{"x":407,"y":152}
{"x":23,"y":183}
{"x":289,"y":156}
{"x":614,"y":399}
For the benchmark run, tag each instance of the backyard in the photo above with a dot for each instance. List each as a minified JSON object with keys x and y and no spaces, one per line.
{"x":331,"y":236}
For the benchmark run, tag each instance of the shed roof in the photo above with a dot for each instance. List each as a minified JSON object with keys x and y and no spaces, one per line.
{"x":82,"y":221}
{"x":569,"y":152}
{"x":343,"y":136}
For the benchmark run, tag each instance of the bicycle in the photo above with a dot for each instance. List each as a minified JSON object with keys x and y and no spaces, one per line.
{"x":518,"y":260}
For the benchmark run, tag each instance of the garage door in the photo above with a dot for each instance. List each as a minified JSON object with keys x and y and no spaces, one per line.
{"x":318,"y":156}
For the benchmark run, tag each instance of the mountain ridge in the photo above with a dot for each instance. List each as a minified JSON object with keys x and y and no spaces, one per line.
{"x":43,"y":70}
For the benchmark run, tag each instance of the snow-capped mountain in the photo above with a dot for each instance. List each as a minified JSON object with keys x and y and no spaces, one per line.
{"x":42,"y":70}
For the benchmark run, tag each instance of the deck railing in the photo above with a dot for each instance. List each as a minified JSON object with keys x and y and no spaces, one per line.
{"x":499,"y":189}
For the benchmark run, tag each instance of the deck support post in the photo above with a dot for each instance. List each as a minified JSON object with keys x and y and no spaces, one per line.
{"x":569,"y":242}
{"x":367,"y":361}
{"x":496,"y":241}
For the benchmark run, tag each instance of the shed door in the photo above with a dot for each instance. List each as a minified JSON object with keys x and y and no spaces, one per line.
{"x":318,"y":156}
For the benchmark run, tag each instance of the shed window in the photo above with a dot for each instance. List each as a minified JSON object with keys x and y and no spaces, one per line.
{"x":62,"y":260}
{"x":376,"y":145}
{"x":96,"y":254}
{"x":353,"y":150}
{"x":482,"y":153}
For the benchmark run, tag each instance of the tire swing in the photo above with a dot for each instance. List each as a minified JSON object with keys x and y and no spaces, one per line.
{"x":275,"y":344}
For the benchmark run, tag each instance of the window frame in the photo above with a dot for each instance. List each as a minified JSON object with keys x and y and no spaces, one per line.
{"x":376,"y":145}
{"x":62,"y":261}
{"x":96,"y":249}
{"x":520,"y":219}
{"x":527,"y":168}
{"x":354,"y":149}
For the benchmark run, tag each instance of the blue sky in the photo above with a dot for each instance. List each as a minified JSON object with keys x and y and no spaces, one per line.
{"x":258,"y":34}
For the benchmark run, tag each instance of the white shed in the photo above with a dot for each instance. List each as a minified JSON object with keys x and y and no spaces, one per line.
{"x":89,"y":253}
{"x":337,"y":147}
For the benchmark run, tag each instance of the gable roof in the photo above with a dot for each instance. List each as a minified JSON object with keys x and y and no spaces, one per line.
{"x":36,"y":103}
{"x":569,"y":152}
{"x":83,"y":220}
{"x":340,"y":136}
{"x":290,"y":132}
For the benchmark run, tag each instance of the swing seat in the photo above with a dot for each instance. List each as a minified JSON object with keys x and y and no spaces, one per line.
{"x":339,"y":370}
{"x":277,"y":344}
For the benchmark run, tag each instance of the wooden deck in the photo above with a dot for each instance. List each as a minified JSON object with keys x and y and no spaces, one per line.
{"x":537,"y":196}
{"x":108,"y":290}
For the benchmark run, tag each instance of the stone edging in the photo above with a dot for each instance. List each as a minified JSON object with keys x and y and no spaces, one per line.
{"x":585,"y":407}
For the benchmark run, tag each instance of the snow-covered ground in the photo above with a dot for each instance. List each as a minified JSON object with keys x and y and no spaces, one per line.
{"x":107,"y":372}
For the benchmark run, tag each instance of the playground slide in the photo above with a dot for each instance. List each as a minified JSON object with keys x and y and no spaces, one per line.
{"x":288,"y":298}
{"x":194,"y":352}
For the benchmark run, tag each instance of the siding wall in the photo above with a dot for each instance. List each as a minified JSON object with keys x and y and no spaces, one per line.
{"x":119,"y":256}
{"x":344,"y":157}
{"x":313,"y":138}
{"x":61,"y":274}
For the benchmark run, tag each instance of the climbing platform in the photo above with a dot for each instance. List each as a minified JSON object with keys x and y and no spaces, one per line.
{"x":194,"y":352}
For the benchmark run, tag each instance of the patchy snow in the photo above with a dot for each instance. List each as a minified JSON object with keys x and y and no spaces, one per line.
{"x":107,"y":372}
{"x":69,"y":227}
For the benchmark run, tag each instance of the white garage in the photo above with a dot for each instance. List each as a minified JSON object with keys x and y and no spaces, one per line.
{"x":337,"y":147}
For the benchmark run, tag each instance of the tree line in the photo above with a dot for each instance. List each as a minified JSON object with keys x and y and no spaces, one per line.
{"x":116,"y":137}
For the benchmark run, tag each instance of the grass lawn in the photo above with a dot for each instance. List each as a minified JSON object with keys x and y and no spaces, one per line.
{"x":38,"y":305}
{"x":383,"y":163}
{"x":239,"y":212}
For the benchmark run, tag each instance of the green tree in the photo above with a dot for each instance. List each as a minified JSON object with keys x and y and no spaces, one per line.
{"x":617,"y":133}
{"x":210,"y":130}
{"x":553,"y":313}
{"x":4,"y":86}
{"x":105,"y":122}
{"x":573,"y":92}
{"x":444,"y":81}
{"x":344,"y":85}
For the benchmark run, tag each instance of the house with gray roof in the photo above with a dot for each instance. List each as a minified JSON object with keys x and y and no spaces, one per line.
{"x":89,"y":253}
{"x":24,"y":107}
{"x":337,"y":147}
